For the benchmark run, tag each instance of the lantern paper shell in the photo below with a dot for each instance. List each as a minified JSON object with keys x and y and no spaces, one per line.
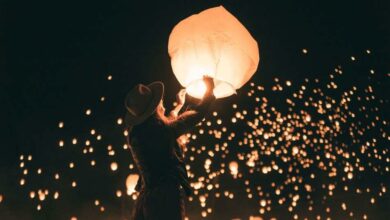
{"x":233,"y":166}
{"x":216,"y":44}
{"x":131,"y":182}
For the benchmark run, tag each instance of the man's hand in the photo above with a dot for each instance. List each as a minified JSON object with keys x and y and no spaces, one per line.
{"x":209,"y":81}
{"x":181,"y":97}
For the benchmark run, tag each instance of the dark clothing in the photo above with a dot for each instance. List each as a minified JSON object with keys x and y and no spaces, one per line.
{"x":163,"y":202}
{"x":158,"y":158}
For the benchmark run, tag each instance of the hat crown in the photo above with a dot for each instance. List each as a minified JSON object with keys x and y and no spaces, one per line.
{"x":142,"y":101}
{"x":139,"y":99}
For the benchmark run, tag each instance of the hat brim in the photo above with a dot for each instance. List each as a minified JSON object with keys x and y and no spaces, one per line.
{"x":157,"y":89}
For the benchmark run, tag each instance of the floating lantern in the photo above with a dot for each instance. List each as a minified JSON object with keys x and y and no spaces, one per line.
{"x":131,"y":182}
{"x":216,"y":44}
{"x":114,"y":166}
{"x":233,"y":166}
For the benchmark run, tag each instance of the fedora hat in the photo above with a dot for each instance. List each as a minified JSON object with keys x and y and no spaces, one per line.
{"x":142,"y":101}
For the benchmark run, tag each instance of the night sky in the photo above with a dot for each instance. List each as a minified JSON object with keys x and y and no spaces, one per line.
{"x":59,"y":58}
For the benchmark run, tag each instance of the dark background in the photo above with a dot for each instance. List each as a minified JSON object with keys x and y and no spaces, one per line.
{"x":56,"y":55}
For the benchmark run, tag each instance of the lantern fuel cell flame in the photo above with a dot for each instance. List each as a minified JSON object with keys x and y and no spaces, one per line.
{"x":216,"y":44}
{"x":197,"y":88}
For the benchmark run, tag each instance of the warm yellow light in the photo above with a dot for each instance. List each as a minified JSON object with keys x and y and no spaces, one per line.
{"x":196,"y":89}
{"x":32,"y":194}
{"x":119,"y":193}
{"x":233,"y":166}
{"x":216,"y":44}
{"x":56,"y":195}
{"x":131,"y":182}
{"x":114,"y":166}
{"x":41,"y":195}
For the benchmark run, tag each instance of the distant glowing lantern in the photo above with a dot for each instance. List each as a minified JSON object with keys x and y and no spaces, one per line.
{"x":131,"y":182}
{"x":216,"y":44}
{"x":233,"y":166}
{"x":114,"y":166}
{"x":41,"y":195}
{"x":56,"y":195}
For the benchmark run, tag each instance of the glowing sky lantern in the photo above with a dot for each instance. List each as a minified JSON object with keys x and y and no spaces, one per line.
{"x":131,"y":182}
{"x":233,"y":166}
{"x":216,"y":44}
{"x":114,"y":166}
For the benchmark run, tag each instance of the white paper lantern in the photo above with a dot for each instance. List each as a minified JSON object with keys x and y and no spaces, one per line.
{"x":131,"y":182}
{"x":233,"y":166}
{"x":216,"y":44}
